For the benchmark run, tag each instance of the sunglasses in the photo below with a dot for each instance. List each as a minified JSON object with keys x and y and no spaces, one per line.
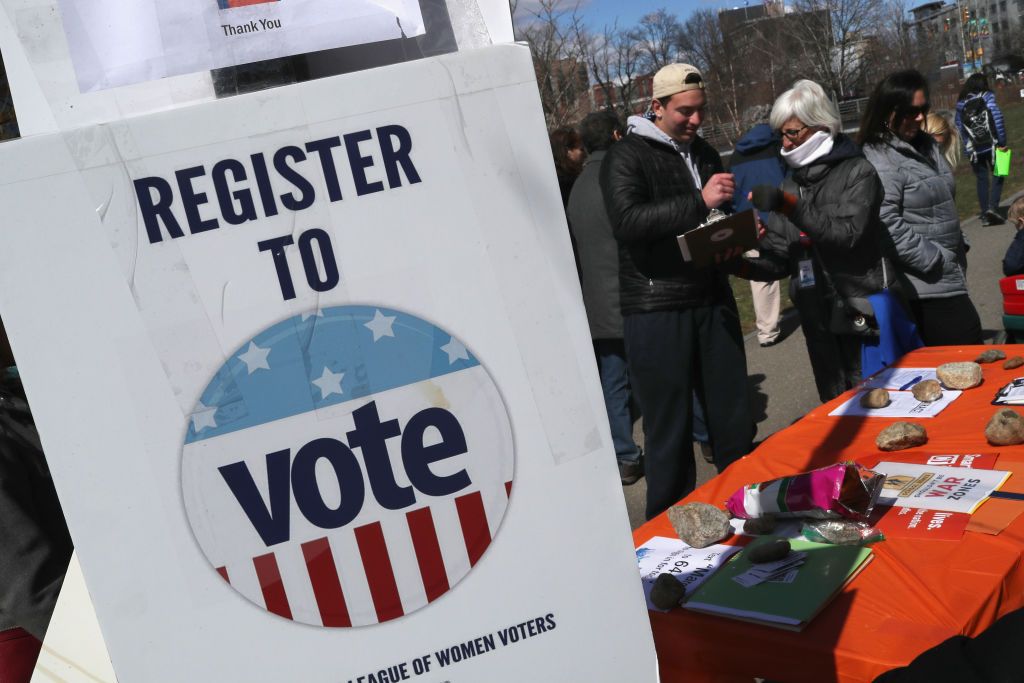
{"x":914,"y":112}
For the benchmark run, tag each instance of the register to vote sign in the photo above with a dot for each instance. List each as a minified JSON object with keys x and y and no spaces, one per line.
{"x":314,"y":380}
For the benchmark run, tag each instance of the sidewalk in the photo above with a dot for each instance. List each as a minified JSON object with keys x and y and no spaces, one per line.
{"x":781,"y":386}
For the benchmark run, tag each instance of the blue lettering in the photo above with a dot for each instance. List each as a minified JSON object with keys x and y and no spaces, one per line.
{"x":299,"y":479}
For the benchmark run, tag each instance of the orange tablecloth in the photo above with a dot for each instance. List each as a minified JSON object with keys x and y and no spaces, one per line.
{"x":914,"y":595}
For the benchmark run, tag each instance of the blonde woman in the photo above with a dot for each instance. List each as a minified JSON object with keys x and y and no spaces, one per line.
{"x":1013,"y":262}
{"x":946,"y":136}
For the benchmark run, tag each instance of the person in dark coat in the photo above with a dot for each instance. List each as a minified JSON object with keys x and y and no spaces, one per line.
{"x":982,"y":130}
{"x":35,"y":546}
{"x":756,"y":161}
{"x":680,"y":323}
{"x":567,"y":151}
{"x":1013,"y":262}
{"x":599,"y":278}
{"x":825,"y":233}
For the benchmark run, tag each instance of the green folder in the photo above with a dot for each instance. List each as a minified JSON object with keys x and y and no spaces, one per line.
{"x":790,"y":606}
{"x":1002,"y":162}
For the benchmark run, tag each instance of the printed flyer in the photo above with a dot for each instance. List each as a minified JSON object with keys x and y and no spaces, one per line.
{"x":118,"y":43}
{"x":690,"y":566}
{"x":953,"y":489}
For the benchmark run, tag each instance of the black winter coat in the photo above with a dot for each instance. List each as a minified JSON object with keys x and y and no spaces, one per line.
{"x":34,"y":543}
{"x":598,"y":251}
{"x":839,"y":199}
{"x":651,"y":198}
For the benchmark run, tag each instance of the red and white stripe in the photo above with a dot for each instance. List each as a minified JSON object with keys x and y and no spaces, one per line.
{"x":375,"y":572}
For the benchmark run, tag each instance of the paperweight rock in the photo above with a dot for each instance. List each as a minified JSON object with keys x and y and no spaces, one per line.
{"x":959,"y":375}
{"x":759,"y":526}
{"x":1006,"y":428}
{"x":927,"y":391}
{"x":1013,"y":362}
{"x":990,"y":356}
{"x":876,"y":398}
{"x":699,"y":525}
{"x":900,"y":435}
{"x":769,"y":551}
{"x":667,"y":592}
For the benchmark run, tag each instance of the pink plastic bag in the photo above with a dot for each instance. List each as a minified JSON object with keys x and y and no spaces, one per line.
{"x":841,"y":490}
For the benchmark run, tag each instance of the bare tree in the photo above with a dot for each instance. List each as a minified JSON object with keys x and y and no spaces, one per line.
{"x":552,"y":29}
{"x":659,"y":37}
{"x":615,"y":61}
{"x":705,"y":47}
{"x":833,"y":37}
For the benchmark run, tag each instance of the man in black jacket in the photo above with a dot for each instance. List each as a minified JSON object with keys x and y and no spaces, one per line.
{"x":680,"y":322}
{"x":599,"y":277}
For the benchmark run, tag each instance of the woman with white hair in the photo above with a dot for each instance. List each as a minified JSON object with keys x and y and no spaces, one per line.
{"x":825,"y":233}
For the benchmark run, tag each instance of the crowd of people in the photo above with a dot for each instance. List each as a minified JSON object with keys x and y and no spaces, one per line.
{"x":865,"y":227}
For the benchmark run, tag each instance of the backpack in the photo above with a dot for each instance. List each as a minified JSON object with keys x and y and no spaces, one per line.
{"x":978,"y":122}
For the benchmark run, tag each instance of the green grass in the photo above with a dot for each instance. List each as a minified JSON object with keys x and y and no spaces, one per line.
{"x":966,"y":192}
{"x":745,"y":302}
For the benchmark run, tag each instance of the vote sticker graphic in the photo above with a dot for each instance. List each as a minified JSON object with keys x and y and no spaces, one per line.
{"x":347,"y":466}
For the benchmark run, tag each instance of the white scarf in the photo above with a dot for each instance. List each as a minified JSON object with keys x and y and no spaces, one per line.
{"x":814,"y":148}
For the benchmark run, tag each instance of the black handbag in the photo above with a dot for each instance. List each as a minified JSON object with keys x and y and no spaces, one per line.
{"x":853,"y":316}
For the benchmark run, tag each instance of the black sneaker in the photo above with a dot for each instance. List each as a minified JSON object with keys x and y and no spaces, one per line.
{"x":706,"y":452}
{"x":630,"y":472}
{"x":993,"y":218}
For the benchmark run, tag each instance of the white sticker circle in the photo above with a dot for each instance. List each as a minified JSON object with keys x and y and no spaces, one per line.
{"x":347,"y":466}
{"x":723,"y":234}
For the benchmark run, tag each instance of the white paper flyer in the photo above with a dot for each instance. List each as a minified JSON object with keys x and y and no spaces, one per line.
{"x":902,"y":404}
{"x":114,"y":44}
{"x":937,"y":488}
{"x":691,"y":566}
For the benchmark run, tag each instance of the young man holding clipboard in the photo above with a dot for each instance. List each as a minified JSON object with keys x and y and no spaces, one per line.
{"x":680,"y":321}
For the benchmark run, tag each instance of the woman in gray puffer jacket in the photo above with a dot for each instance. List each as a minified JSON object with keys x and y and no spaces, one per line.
{"x":919,"y":210}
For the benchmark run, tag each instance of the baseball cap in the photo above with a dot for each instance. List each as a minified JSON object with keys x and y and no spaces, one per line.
{"x":676,"y":78}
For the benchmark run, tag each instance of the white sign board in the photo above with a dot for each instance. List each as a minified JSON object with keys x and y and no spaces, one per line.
{"x":118,"y":43}
{"x":316,"y":388}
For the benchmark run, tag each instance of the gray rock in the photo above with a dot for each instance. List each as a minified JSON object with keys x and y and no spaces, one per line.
{"x":959,"y":375}
{"x":900,"y":435}
{"x":1013,"y":362}
{"x":990,"y":356}
{"x":1006,"y":428}
{"x":759,"y":526}
{"x":667,"y":592}
{"x":699,"y":524}
{"x":769,"y":551}
{"x":876,"y":398}
{"x":927,"y":391}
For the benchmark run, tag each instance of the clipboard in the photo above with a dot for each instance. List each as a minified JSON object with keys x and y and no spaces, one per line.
{"x":699,"y":246}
